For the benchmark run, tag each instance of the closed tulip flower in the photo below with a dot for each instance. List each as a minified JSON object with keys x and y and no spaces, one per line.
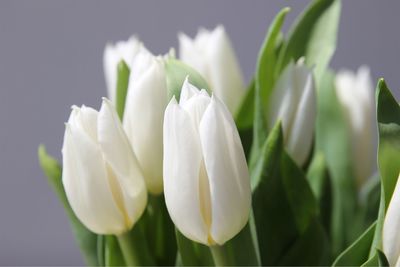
{"x":293,"y":101}
{"x":206,"y":180}
{"x":144,"y":115}
{"x":355,"y":93}
{"x":212,"y":55}
{"x":113,"y":54}
{"x":102,"y":179}
{"x":391,"y":226}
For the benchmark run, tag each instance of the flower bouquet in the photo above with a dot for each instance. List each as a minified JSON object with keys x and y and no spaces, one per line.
{"x":184,"y":164}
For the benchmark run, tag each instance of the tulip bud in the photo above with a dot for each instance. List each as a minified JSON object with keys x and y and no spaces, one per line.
{"x":144,"y":115}
{"x":206,"y":180}
{"x":293,"y":101}
{"x":113,"y":54}
{"x":391,"y":226}
{"x":102,"y":179}
{"x":355,"y":93}
{"x":212,"y":55}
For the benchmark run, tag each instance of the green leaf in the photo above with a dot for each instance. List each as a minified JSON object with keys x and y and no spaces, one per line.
{"x":176,"y":72}
{"x":101,"y":248}
{"x":358,"y":252}
{"x":320,"y":183}
{"x":265,"y":71}
{"x":192,"y":253}
{"x":314,"y":36}
{"x":284,"y":207}
{"x":86,"y":240}
{"x":122,"y":87}
{"x":383,"y":261}
{"x":245,"y":118}
{"x":388,"y":116}
{"x":331,"y":139}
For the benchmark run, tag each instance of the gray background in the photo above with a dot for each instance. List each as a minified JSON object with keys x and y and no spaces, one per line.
{"x":51,"y":58}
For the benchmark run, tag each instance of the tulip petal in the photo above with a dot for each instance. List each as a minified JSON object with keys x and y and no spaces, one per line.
{"x":113,"y":54}
{"x":86,"y":184}
{"x":182,"y":162}
{"x":391,"y":226}
{"x":224,"y":70}
{"x":144,"y":115}
{"x":125,"y":175}
{"x":227,"y":171}
{"x":188,"y":90}
{"x":302,"y":129}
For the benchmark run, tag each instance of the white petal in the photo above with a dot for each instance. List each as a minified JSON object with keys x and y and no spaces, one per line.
{"x":227,"y":171}
{"x":86,"y":184}
{"x":196,"y":106}
{"x":355,"y":93}
{"x":182,"y":161}
{"x":283,"y":101}
{"x":113,"y":54}
{"x":188,"y":90}
{"x":225,"y":76}
{"x":125,"y":175}
{"x":302,"y":130}
{"x":391,"y":226}
{"x":143,"y":120}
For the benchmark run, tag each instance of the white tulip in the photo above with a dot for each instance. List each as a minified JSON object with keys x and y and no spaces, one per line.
{"x":391,"y":226}
{"x":355,"y":93}
{"x":212,"y":55}
{"x":102,"y":179}
{"x":293,"y":101}
{"x":113,"y":54}
{"x":206,"y":180}
{"x":144,"y":115}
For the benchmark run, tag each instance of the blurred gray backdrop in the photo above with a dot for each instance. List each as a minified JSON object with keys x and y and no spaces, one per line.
{"x":51,"y":57}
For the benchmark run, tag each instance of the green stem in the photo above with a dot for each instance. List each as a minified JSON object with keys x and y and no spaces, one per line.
{"x":128,"y":248}
{"x":134,"y":248}
{"x":221,"y":256}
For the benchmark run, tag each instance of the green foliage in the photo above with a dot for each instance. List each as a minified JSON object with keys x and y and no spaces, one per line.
{"x":176,"y":72}
{"x":285,"y":210}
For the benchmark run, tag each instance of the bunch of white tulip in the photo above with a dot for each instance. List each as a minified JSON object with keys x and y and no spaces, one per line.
{"x":175,"y":156}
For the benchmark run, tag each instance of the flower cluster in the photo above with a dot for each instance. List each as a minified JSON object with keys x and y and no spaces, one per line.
{"x":185,"y":165}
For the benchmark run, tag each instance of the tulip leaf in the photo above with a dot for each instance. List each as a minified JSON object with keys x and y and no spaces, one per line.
{"x":193,"y":253}
{"x":245,"y":118}
{"x":86,"y":240}
{"x":388,"y":116}
{"x":284,"y":208}
{"x":331,"y":140}
{"x":388,"y":113}
{"x":320,"y":183}
{"x":357,"y":253}
{"x":313,"y":36}
{"x":264,"y":82}
{"x":176,"y":72}
{"x":122,"y":87}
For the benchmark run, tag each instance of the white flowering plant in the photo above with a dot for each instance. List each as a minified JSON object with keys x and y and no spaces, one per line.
{"x":184,"y":165}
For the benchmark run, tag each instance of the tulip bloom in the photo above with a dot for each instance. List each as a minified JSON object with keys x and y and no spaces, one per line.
{"x":391,"y":226}
{"x":113,"y":54}
{"x":293,"y":101}
{"x":144,"y":115}
{"x":355,"y":93}
{"x":206,"y":180}
{"x":102,"y":179}
{"x":212,"y":55}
